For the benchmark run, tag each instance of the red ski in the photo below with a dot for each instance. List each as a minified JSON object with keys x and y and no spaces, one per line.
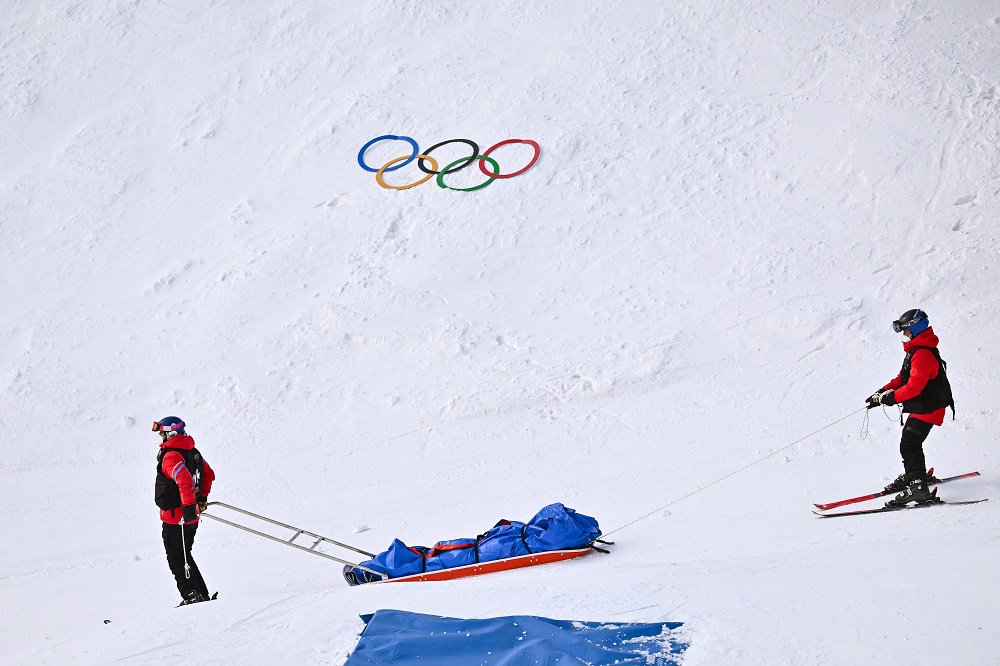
{"x":889,"y":509}
{"x":883,"y":493}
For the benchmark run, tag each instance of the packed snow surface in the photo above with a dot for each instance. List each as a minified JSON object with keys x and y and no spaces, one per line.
{"x":732,"y":202}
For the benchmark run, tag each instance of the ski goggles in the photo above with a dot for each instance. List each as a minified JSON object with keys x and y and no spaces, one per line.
{"x":157,"y":427}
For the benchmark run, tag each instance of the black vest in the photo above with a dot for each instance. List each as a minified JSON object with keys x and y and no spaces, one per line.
{"x":937,"y":392}
{"x":168,"y":494}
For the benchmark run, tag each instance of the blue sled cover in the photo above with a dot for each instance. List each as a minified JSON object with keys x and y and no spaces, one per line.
{"x":412,"y":639}
{"x":554,"y":527}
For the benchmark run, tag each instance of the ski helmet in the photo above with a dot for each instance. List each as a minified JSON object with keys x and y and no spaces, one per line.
{"x":914,"y":321}
{"x":168,"y":427}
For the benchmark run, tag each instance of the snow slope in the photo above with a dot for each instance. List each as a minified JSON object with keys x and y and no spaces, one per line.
{"x":733,"y":201}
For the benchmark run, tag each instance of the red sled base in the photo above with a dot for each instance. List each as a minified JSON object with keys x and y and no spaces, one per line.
{"x":489,"y":567}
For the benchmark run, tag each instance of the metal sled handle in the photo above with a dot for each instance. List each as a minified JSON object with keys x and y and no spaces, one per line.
{"x":288,"y":542}
{"x":286,"y":526}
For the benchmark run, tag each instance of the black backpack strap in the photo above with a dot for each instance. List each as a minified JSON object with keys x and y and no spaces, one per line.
{"x":943,"y":365}
{"x":944,"y":368}
{"x":163,"y":452}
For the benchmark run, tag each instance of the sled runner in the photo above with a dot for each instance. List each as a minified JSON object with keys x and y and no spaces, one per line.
{"x":489,"y":567}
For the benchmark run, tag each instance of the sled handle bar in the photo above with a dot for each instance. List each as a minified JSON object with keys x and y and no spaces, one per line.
{"x":288,"y":542}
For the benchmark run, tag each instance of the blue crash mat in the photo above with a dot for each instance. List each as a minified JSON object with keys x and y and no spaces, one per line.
{"x":409,"y":639}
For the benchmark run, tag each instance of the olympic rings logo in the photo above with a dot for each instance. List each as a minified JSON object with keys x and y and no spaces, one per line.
{"x":424,"y":158}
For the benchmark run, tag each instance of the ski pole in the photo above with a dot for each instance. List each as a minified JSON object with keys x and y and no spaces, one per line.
{"x":187,"y":567}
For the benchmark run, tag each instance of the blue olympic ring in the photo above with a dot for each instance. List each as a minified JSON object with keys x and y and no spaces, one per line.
{"x":385,"y":137}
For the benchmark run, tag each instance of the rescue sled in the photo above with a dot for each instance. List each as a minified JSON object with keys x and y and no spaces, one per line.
{"x":555,"y":533}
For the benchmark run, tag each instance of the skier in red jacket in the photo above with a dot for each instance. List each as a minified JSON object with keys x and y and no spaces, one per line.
{"x":183,"y":482}
{"x":922,"y":390}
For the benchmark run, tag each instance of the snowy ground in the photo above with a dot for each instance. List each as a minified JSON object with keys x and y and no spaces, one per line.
{"x":733,"y":201}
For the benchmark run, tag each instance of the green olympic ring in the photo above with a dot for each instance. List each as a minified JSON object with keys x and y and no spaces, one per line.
{"x":496,"y":170}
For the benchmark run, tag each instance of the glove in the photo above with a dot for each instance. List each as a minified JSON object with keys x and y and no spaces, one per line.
{"x":873,"y":399}
{"x":887,"y":398}
{"x":202,"y":504}
{"x":190,"y":515}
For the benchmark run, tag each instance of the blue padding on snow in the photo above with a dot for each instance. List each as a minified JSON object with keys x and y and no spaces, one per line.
{"x":414,"y":639}
{"x":554,"y":527}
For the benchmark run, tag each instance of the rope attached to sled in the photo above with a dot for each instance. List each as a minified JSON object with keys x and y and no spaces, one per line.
{"x":741,"y":469}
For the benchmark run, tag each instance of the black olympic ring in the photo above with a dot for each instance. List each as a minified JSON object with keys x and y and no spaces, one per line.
{"x":472,"y":158}
{"x":459,"y":164}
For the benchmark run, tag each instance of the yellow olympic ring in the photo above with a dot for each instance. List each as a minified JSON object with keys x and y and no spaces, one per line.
{"x":380,"y":181}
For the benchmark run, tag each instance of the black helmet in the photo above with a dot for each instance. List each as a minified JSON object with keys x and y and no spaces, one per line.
{"x":914,"y":321}
{"x":168,"y":427}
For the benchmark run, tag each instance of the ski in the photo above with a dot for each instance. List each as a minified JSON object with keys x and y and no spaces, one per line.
{"x":888,"y":509}
{"x":883,"y":493}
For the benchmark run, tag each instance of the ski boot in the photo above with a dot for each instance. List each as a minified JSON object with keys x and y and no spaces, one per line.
{"x":193,"y":597}
{"x":900,"y":483}
{"x":916,"y":492}
{"x":897,"y":485}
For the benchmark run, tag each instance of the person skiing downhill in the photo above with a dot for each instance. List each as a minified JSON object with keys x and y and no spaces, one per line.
{"x":183,"y":482}
{"x":923,"y":391}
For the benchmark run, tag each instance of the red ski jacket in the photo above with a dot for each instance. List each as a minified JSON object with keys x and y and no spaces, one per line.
{"x":923,"y":368}
{"x":174,"y":467}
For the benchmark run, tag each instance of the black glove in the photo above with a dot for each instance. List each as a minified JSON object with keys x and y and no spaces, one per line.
{"x":190,"y":515}
{"x":873,"y":399}
{"x":887,"y":398}
{"x":202,"y":504}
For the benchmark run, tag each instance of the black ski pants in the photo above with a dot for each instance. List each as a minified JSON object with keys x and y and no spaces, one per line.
{"x":176,"y":548}
{"x":911,"y":447}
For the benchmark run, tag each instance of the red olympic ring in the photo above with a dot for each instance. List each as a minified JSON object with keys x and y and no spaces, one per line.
{"x":492,"y":171}
{"x":533,"y":144}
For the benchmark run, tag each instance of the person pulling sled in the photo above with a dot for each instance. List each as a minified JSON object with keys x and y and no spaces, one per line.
{"x":183,"y":482}
{"x":922,"y":390}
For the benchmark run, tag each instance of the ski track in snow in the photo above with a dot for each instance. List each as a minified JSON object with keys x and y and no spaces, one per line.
{"x":731,"y":203}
